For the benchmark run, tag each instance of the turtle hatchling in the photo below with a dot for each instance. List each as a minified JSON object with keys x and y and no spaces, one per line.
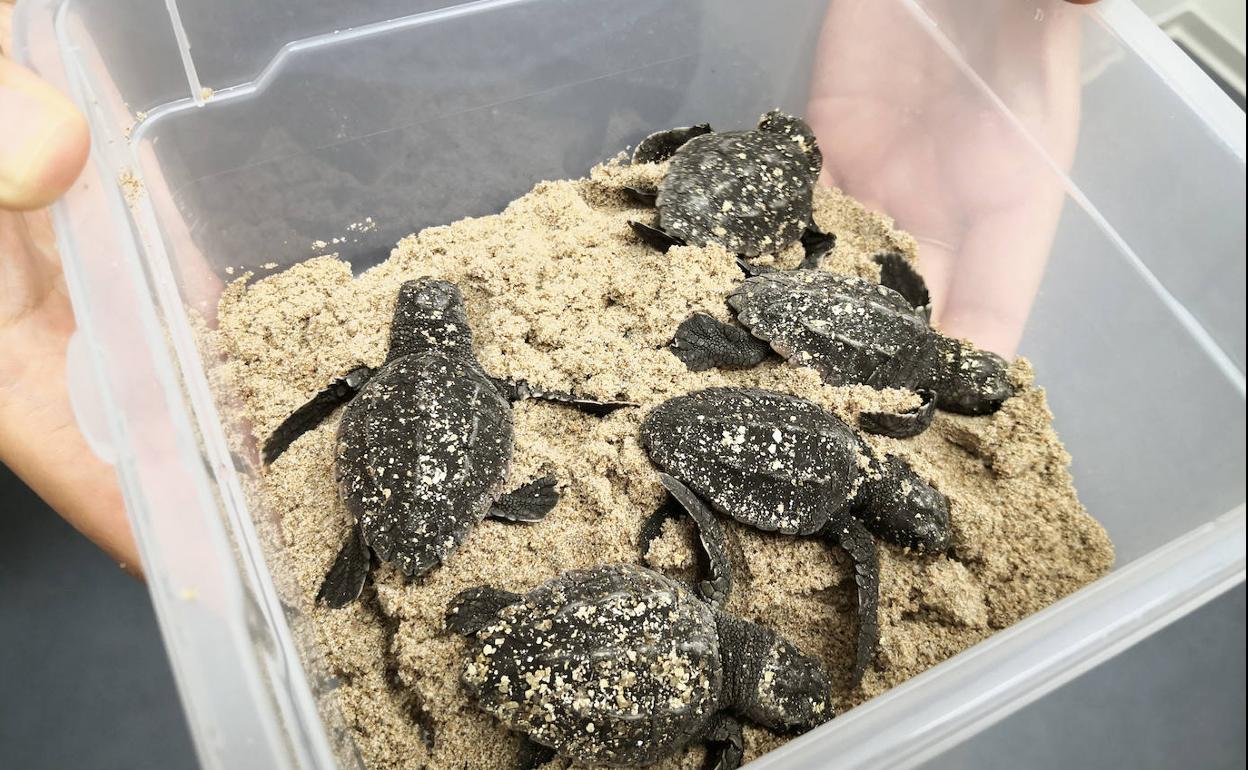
{"x":622,"y":666}
{"x":750,"y":191}
{"x":852,"y":331}
{"x":784,"y":464}
{"x":424,"y":446}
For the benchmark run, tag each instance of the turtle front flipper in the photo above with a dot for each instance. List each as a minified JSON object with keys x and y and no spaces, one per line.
{"x":856,"y":540}
{"x":899,"y":274}
{"x":751,"y":269}
{"x":662,"y":145}
{"x":703,"y":342}
{"x":520,"y":390}
{"x":345,"y":579}
{"x":817,"y":244}
{"x":339,"y":391}
{"x":529,"y":503}
{"x":901,"y":424}
{"x":474,"y":608}
{"x":654,"y":237}
{"x":715,"y":559}
{"x":725,"y":748}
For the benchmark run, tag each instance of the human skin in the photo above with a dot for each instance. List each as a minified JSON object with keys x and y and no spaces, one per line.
{"x":43,"y":146}
{"x":907,"y":133}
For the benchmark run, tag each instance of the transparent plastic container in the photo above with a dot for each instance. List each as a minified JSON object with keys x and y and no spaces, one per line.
{"x":418,"y":112}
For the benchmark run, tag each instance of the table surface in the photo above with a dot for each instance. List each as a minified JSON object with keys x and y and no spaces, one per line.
{"x":85,"y":680}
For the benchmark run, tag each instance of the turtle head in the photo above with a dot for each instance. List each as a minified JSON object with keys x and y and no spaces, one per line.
{"x":777,"y":122}
{"x":899,"y":506}
{"x":792,"y":692}
{"x":429,"y":315}
{"x":975,"y":382}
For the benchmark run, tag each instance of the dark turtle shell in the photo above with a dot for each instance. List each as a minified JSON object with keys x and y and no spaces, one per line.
{"x":773,"y":461}
{"x":615,"y":665}
{"x":423,"y":450}
{"x":850,"y":330}
{"x":749,"y":191}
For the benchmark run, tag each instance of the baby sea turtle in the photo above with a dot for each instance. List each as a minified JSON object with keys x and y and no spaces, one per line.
{"x":852,"y":331}
{"x":424,"y":446}
{"x":750,"y":191}
{"x":784,"y":464}
{"x":622,"y":666}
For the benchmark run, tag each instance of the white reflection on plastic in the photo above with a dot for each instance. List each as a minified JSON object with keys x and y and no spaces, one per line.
{"x":84,"y":398}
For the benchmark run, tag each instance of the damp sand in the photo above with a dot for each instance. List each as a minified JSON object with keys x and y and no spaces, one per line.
{"x":559,"y":292}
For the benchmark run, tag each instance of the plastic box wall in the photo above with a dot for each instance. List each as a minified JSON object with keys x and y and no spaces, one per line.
{"x":417,"y":113}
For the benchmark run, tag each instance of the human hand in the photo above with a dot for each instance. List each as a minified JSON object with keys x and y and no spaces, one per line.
{"x":43,"y":146}
{"x":905,"y":132}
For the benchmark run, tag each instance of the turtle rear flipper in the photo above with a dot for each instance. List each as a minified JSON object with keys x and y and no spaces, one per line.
{"x":898,"y":274}
{"x":725,"y":748}
{"x":718,"y":585}
{"x":654,"y":237}
{"x":901,"y":424}
{"x":339,"y":391}
{"x":474,"y":608}
{"x":854,"y":538}
{"x":345,"y":579}
{"x":703,"y":342}
{"x":529,"y":503}
{"x":662,"y":145}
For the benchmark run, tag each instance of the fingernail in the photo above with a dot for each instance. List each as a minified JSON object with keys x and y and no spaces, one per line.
{"x":40,"y":132}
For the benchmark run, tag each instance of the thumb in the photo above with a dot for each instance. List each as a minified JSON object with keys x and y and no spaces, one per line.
{"x":43,"y":140}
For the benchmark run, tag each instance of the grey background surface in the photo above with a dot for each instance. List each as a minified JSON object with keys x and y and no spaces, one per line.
{"x":84,"y":681}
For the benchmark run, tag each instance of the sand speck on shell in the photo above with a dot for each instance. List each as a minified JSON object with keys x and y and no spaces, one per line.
{"x":559,"y":292}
